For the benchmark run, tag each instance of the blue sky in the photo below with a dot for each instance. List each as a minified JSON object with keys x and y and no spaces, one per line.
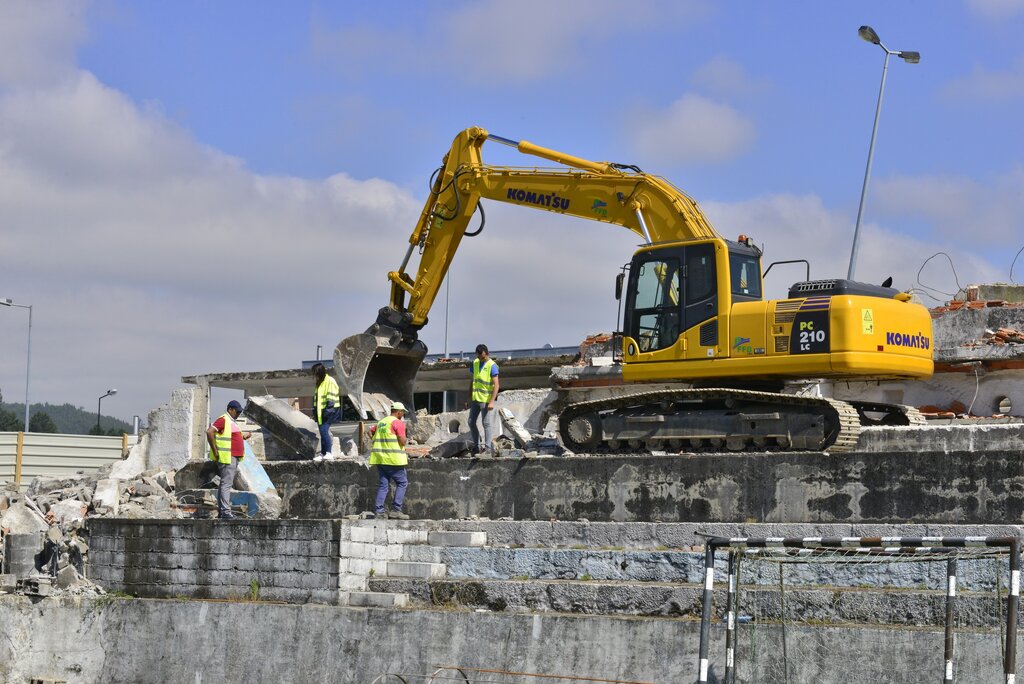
{"x":141,"y":143}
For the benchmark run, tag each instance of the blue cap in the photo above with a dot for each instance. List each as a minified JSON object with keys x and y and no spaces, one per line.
{"x":235,"y":405}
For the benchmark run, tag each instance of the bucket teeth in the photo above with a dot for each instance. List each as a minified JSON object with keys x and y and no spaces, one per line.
{"x":376,"y":368}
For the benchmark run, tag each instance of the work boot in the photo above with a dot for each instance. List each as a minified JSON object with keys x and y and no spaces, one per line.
{"x":397,"y":515}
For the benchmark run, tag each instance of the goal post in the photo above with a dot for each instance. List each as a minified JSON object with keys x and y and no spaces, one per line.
{"x":885,"y":599}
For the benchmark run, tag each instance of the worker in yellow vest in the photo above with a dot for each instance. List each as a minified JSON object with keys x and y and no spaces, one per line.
{"x":388,"y":454}
{"x":327,"y":409}
{"x":483,"y":394}
{"x":227,"y":448}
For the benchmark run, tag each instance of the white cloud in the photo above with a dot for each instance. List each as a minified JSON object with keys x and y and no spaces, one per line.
{"x":693,"y":129}
{"x":492,"y":41}
{"x":147,"y":256}
{"x":38,"y":39}
{"x":801,"y":227}
{"x":989,"y":212}
{"x":723,"y":76}
{"x":996,"y":10}
{"x":986,"y":84}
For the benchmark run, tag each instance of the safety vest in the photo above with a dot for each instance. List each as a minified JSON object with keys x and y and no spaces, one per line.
{"x":483,"y":383}
{"x":327,"y":396}
{"x":223,"y":440}
{"x":385,"y":449}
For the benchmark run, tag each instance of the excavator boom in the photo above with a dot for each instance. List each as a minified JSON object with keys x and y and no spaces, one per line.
{"x":380,"y":365}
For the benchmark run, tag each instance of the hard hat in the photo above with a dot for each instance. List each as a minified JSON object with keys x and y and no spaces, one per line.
{"x":397,"y":406}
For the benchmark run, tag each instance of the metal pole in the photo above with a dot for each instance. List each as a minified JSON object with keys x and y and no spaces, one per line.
{"x":950,"y":602}
{"x":28,"y":364}
{"x":732,"y":616}
{"x":1012,"y":603}
{"x":705,"y":613}
{"x":867,"y":171}
{"x":99,"y":402}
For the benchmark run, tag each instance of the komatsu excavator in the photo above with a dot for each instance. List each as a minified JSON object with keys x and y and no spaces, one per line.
{"x":693,"y":314}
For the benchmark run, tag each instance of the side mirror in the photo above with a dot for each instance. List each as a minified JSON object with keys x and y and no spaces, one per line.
{"x":618,"y":285}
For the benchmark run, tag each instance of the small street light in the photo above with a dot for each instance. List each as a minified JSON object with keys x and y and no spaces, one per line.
{"x":99,"y":403}
{"x":28,"y":363}
{"x":867,"y":33}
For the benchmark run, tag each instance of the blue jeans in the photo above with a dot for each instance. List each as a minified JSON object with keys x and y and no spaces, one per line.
{"x":479,"y":408}
{"x":328,"y":416}
{"x":385,"y":474}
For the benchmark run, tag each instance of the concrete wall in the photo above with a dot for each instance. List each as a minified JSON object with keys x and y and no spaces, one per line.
{"x":928,"y":487}
{"x":166,"y":642}
{"x":295,"y":561}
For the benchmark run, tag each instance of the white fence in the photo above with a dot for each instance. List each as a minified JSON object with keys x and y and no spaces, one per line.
{"x":27,"y":455}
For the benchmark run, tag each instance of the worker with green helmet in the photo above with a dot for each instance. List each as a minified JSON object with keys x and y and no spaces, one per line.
{"x":387,"y":452}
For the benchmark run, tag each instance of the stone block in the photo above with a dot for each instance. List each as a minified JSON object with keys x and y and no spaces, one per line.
{"x":363,"y":566}
{"x":20,"y":519}
{"x":367,"y":599}
{"x":406,"y":536}
{"x":67,"y":578}
{"x":352,"y":582}
{"x":417,"y":570}
{"x":459,"y":446}
{"x":457,"y":538}
{"x":8,"y":583}
{"x":512,"y":425}
{"x":361,"y":534}
{"x":291,"y":427}
{"x":107,"y":496}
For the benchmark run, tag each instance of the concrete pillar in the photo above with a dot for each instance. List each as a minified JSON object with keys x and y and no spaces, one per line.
{"x":200,"y":417}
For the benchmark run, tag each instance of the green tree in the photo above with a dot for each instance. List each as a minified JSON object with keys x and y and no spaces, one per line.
{"x":41,"y":422}
{"x":10,"y":422}
{"x":96,"y":430}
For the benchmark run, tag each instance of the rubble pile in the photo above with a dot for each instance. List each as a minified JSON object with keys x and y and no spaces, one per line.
{"x":1003,"y":336}
{"x":44,"y":553}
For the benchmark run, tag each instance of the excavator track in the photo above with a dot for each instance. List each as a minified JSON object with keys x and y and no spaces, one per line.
{"x":715,"y":420}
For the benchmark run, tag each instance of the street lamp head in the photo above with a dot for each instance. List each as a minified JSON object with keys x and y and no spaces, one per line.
{"x":111,"y":391}
{"x":6,"y":302}
{"x":911,"y":57}
{"x":867,"y":33}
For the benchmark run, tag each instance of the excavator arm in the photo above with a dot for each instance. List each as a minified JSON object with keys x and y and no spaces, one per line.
{"x":380,"y":365}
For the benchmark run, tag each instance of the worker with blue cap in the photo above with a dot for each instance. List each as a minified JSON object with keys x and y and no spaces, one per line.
{"x":227,"y":448}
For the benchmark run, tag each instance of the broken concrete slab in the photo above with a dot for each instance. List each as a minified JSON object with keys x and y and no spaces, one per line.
{"x":20,"y":519}
{"x":519,"y":434}
{"x":170,"y":429}
{"x":291,"y":427}
{"x":460,"y":446}
{"x":67,"y":577}
{"x":107,"y":497}
{"x":65,"y":511}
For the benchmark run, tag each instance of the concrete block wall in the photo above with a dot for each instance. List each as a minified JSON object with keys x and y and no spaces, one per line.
{"x":295,"y":561}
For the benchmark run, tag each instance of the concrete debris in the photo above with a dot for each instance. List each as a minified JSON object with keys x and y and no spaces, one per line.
{"x":1003,"y":336}
{"x":520,"y":436}
{"x":288,"y":425}
{"x":20,"y":519}
{"x":459,"y":446}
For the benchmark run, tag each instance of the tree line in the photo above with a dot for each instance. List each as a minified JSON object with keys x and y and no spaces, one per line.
{"x":63,"y":418}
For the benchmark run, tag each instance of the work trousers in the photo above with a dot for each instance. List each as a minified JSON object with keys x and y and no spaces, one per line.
{"x":227,"y":480}
{"x":479,"y":408}
{"x":386,"y":474}
{"x":328,"y":416}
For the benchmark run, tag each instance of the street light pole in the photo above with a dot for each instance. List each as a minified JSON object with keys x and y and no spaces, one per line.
{"x":867,"y":33}
{"x":99,"y":403}
{"x":28,"y":363}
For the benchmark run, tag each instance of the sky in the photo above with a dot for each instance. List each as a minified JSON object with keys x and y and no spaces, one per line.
{"x":197,"y":187}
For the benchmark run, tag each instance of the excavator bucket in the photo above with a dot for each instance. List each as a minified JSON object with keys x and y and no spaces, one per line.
{"x":376,"y":368}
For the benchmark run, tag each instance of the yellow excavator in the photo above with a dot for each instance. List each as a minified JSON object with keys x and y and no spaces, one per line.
{"x":693,"y":314}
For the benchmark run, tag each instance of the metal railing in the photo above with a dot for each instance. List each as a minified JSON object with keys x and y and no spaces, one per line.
{"x":25,"y":456}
